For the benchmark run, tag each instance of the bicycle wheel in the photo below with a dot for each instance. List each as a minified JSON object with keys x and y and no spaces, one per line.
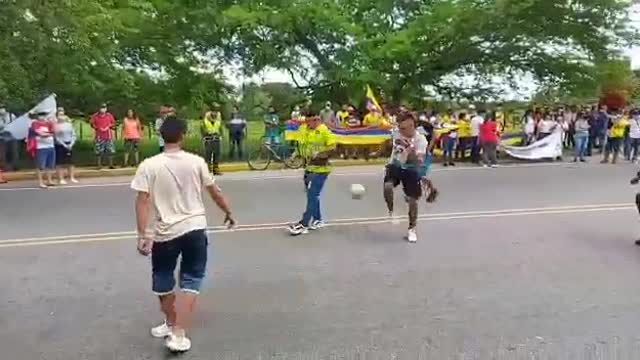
{"x":292,"y":160}
{"x":259,"y":159}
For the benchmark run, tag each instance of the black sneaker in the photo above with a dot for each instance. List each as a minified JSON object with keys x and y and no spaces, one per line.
{"x":452,"y":164}
{"x":638,"y":242}
{"x":298,"y":229}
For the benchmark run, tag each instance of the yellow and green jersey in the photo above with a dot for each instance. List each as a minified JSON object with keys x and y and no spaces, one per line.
{"x":314,"y":141}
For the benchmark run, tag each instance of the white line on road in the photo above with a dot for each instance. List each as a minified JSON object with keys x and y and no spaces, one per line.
{"x":87,"y":238}
{"x":291,"y":174}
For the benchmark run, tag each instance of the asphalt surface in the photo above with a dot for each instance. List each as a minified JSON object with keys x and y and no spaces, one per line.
{"x":523,"y":262}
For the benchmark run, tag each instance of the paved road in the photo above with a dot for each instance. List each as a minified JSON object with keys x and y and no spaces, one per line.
{"x":511,"y":262}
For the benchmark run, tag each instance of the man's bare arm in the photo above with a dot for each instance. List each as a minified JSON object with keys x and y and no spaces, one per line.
{"x":219,"y":198}
{"x":143,"y":207}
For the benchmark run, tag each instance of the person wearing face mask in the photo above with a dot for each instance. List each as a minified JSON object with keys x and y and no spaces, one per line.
{"x":65,"y":136}
{"x":327,"y":116}
{"x":103,"y":123}
{"x":272,"y":126}
{"x":44,"y":143}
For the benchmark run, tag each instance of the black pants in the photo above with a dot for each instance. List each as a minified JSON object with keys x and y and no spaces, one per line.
{"x":475,"y":149}
{"x":235,"y":141}
{"x":212,"y":151}
{"x":8,"y":155}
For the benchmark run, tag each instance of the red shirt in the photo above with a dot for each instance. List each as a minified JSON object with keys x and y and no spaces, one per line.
{"x":489,"y":132}
{"x":102,"y":124}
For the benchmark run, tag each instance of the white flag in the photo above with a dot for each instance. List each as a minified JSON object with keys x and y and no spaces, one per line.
{"x":19,"y":128}
{"x":547,"y":148}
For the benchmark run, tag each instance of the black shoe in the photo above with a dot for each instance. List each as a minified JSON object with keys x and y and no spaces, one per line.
{"x":445,"y":164}
{"x":638,"y":242}
{"x":452,"y":164}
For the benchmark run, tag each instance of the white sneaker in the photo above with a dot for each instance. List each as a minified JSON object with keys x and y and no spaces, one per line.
{"x":412,"y":236}
{"x":63,"y":182}
{"x":485,"y":165}
{"x":178,"y":343}
{"x":161,"y":331}
{"x":316,"y":225}
{"x":74,"y":180}
{"x":298,"y":229}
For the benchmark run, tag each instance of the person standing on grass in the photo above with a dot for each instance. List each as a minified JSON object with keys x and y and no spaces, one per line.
{"x":103,"y":123}
{"x":171,"y":184}
{"x":237,"y":132}
{"x":132,"y":131}
{"x":45,"y":154}
{"x":166,"y":110}
{"x":316,"y":144}
{"x":65,"y":136}
{"x":272,"y":127}
{"x":581,"y":136}
{"x":489,"y":139}
{"x":211,"y":131}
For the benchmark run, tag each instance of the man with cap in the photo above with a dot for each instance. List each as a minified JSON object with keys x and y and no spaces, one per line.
{"x":103,"y":123}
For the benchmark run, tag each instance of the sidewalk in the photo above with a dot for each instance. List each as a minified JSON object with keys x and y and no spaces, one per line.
{"x":93,"y":172}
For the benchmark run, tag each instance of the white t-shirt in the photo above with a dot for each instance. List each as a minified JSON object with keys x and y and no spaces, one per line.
{"x":175,"y":181}
{"x":546,"y":126}
{"x":634,"y":127}
{"x":403,"y":146}
{"x":530,"y":126}
{"x":476,"y":121}
{"x":158,"y":125}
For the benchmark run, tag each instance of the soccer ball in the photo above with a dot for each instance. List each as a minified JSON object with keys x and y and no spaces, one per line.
{"x":357,"y":191}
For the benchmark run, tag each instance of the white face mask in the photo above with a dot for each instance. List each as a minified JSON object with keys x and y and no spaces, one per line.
{"x":103,"y":110}
{"x":3,"y":110}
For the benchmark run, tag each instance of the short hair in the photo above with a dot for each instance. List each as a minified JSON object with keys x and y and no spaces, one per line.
{"x":173,"y":130}
{"x":405,"y":116}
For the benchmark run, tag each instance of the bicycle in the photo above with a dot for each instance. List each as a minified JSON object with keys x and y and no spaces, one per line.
{"x":260,"y":158}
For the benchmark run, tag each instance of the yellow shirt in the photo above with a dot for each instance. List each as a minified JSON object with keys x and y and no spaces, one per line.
{"x":316,"y":140}
{"x":211,"y":124}
{"x":617,"y":130}
{"x":371,"y":119}
{"x":343,"y":116}
{"x":464,"y":128}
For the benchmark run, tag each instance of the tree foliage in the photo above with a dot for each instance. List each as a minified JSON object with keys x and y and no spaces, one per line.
{"x":141,"y":53}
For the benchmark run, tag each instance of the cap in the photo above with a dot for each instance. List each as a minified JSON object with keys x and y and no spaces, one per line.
{"x":472,"y":107}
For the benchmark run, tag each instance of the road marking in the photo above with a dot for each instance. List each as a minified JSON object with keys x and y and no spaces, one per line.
{"x":292,"y":174}
{"x":88,"y":238}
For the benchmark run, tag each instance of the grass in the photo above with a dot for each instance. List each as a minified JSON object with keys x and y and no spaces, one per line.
{"x":83,"y":152}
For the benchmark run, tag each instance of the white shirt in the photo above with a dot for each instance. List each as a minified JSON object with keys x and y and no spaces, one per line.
{"x":545,"y":126}
{"x":175,"y":182}
{"x":476,"y":121}
{"x":403,"y":146}
{"x":634,"y":127}
{"x":530,"y":126}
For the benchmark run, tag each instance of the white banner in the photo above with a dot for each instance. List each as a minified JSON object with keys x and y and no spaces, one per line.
{"x":19,"y":128}
{"x":547,"y":148}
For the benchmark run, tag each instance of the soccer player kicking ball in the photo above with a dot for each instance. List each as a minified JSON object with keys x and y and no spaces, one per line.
{"x":316,"y":144}
{"x":407,"y":166}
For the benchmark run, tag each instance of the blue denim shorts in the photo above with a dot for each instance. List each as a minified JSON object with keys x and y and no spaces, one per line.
{"x":164,"y":259}
{"x":46,"y":159}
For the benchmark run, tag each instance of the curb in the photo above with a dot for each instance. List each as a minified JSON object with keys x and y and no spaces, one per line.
{"x":224,"y":168}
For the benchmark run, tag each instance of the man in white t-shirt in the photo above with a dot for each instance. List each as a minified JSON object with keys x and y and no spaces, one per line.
{"x":476,"y":121}
{"x":173,"y":183}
